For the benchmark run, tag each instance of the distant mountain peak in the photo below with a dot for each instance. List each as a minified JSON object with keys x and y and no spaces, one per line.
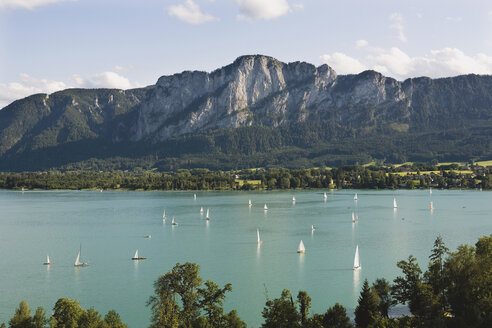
{"x":253,"y":91}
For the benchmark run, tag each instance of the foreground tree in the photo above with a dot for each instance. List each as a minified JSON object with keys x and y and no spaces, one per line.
{"x":336,"y":317}
{"x":382,"y":290}
{"x":66,"y":313}
{"x":366,"y":312}
{"x":22,"y":317}
{"x":281,"y":312}
{"x":113,"y":320}
{"x":180,"y":301}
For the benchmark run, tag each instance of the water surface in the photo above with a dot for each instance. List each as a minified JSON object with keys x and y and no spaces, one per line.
{"x":111,"y":225}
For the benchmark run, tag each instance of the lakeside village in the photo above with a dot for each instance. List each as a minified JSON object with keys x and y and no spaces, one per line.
{"x":404,"y":176}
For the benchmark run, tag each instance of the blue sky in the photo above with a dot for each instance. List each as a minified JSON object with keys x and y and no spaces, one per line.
{"x":48,"y":45}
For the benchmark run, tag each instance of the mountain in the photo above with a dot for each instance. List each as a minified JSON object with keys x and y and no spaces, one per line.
{"x":257,"y":111}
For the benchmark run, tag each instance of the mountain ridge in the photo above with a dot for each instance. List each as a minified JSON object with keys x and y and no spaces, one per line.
{"x":250,"y":96}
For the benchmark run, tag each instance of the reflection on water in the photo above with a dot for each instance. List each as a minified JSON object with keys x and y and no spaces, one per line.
{"x":357,"y":283}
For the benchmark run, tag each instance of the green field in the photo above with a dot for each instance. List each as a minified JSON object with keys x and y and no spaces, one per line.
{"x":251,"y":182}
{"x":484,"y":163}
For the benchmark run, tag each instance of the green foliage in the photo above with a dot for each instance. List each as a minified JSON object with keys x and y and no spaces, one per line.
{"x":67,"y":313}
{"x":113,"y":320}
{"x":382,"y":290}
{"x":366,"y":312}
{"x":22,"y":317}
{"x":281,"y":312}
{"x":180,"y":300}
{"x":336,"y":317}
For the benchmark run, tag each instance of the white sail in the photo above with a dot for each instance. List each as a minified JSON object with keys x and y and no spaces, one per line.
{"x":174,"y":222}
{"x":325,"y":196}
{"x":293,"y":199}
{"x":201,"y":209}
{"x":354,"y":217}
{"x":258,"y":235}
{"x":136,"y":254}
{"x":77,"y":260}
{"x":164,"y":215}
{"x":194,"y":196}
{"x":394,"y":203}
{"x":356,"y":197}
{"x":356,"y":258}
{"x":301,"y":248}
{"x":250,"y":203}
{"x":208,"y":214}
{"x":265,"y":207}
{"x":430,"y":191}
{"x":312,"y":228}
{"x":48,"y":261}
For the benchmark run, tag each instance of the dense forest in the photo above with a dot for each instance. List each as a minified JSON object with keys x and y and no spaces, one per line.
{"x":408,"y":176}
{"x":454,"y":292}
{"x":303,"y":145}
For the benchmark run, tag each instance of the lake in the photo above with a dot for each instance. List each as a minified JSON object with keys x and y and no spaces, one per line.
{"x":111,"y":225}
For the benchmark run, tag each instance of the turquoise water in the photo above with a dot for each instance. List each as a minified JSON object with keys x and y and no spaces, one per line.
{"x":110,"y":226}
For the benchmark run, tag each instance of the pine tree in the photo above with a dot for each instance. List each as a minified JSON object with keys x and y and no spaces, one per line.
{"x":366,"y":311}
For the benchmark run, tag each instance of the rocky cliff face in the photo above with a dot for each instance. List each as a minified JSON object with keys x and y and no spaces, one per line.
{"x":257,"y":90}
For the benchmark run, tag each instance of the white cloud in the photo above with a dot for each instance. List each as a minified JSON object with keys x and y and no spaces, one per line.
{"x":263,"y":9}
{"x":397,"y":24}
{"x":361,"y":44}
{"x":103,"y":80}
{"x":28,"y":85}
{"x":26,"y":4}
{"x":191,"y":13}
{"x":396,"y":63}
{"x":343,"y":64}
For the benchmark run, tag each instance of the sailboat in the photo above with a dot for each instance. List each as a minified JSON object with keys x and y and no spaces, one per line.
{"x":431,"y":206}
{"x":430,"y":190}
{"x":312,"y":228}
{"x":250,"y":203}
{"x":164,"y":216}
{"x":136,"y":257}
{"x":293,"y":199}
{"x":325,"y":196}
{"x":77,"y":260}
{"x":265,"y":207}
{"x":174,"y":222}
{"x":356,"y":197}
{"x":394,"y":203}
{"x":201,"y":210}
{"x":356,"y":259}
{"x":301,"y":249}
{"x":258,"y":235}
{"x":208,"y":214}
{"x":194,"y":196}
{"x":48,"y":261}
{"x":354,"y":217}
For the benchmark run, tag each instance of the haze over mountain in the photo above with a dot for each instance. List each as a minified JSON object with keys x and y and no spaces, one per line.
{"x":255,"y":112}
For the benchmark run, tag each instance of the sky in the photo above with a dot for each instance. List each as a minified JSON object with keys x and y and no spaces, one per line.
{"x":50,"y":45}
